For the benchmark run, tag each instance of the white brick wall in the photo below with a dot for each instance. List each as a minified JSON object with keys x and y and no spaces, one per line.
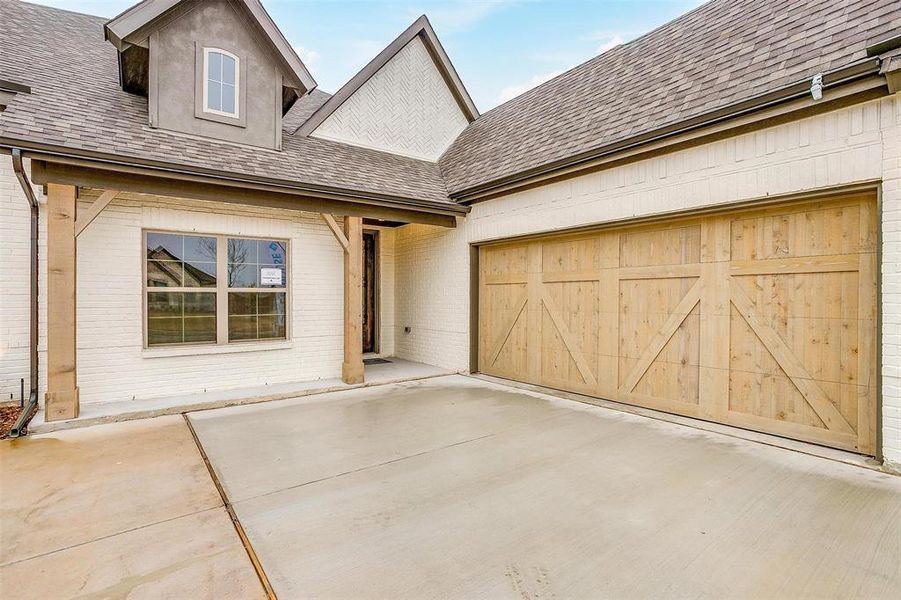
{"x":112,"y":364}
{"x":386,"y":292}
{"x":856,"y":144}
{"x":15,"y":244}
{"x":890,"y":121}
{"x":432,"y":296}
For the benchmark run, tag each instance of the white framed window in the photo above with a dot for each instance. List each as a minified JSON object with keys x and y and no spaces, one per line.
{"x":214,"y":289}
{"x":221,"y":82}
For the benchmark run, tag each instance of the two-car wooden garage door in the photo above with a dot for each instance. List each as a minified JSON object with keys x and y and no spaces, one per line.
{"x":764,"y":319}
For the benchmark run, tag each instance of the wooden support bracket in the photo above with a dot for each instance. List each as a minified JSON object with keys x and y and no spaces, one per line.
{"x":95,"y":209}
{"x":336,"y":230}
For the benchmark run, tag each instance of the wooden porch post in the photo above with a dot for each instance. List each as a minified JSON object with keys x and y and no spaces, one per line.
{"x":352,"y":369}
{"x":61,"y":398}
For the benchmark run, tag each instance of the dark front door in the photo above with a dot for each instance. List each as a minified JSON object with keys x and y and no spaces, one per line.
{"x":370,"y":291}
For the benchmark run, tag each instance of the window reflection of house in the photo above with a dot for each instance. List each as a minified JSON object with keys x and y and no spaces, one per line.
{"x":164,"y":269}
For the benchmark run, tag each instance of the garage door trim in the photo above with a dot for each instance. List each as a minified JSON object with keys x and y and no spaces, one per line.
{"x":706,"y":283}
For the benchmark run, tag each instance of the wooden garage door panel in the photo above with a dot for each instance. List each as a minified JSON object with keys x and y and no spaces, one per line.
{"x":659,"y":353}
{"x":681,"y":245}
{"x":762,"y":318}
{"x":569,"y":332}
{"x":674,"y":374}
{"x":798,"y":232}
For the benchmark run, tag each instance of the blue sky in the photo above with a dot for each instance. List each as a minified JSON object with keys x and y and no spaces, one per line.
{"x":499,"y":47}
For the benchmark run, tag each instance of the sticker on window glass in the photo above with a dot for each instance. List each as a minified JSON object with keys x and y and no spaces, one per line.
{"x":275,"y":252}
{"x":270,"y":276}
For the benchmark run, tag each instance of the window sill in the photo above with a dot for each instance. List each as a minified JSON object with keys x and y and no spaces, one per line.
{"x":239,"y":121}
{"x":216,"y":349}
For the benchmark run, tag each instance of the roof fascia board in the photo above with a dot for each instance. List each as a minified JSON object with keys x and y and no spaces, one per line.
{"x":856,"y":79}
{"x":446,"y":67}
{"x":134,"y":18}
{"x":420,"y":27}
{"x":55,"y":172}
{"x":157,"y":169}
{"x":123,"y":30}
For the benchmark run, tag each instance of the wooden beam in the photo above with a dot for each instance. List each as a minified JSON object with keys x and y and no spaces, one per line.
{"x":336,"y":229}
{"x":352,"y":369}
{"x":61,"y":398}
{"x":805,"y":264}
{"x":99,"y":204}
{"x":45,"y":172}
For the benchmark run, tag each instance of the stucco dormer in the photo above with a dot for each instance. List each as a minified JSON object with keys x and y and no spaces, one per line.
{"x":215,"y":68}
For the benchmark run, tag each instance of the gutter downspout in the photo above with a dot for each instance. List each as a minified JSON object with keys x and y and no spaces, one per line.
{"x":20,"y":427}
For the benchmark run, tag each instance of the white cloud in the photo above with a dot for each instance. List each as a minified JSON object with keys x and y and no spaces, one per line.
{"x":308,"y":56}
{"x":462,"y":14}
{"x":612,"y":42}
{"x":512,"y":91}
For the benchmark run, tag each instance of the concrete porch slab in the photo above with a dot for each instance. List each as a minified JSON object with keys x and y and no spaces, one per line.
{"x":95,"y":413}
{"x":123,"y":510}
{"x":456,"y":487}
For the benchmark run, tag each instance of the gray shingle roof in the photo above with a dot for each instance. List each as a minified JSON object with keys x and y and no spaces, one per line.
{"x":76,"y":102}
{"x":303,"y":109}
{"x":721,"y":53}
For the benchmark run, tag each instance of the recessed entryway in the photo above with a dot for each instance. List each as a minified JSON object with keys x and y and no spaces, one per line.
{"x":370,"y":291}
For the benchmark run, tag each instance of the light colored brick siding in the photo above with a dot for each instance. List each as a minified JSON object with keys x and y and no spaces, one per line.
{"x":432,"y":296}
{"x":112,"y":363}
{"x":891,"y":281}
{"x":386,"y":292}
{"x":15,"y":244}
{"x":856,"y":144}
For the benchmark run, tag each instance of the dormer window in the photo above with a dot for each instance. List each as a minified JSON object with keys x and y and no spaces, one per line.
{"x":221,"y":71}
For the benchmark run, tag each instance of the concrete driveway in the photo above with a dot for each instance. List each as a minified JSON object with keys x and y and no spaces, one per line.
{"x":447,"y":487}
{"x":454,"y":487}
{"x":116,"y":511}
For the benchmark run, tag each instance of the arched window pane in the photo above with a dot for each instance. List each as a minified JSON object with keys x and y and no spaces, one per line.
{"x":221,"y":83}
{"x":228,"y":70}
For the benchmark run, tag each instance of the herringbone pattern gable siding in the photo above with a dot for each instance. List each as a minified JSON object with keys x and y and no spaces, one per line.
{"x":405,"y":108}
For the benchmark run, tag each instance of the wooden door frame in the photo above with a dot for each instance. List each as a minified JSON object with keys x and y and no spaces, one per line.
{"x":376,"y":284}
{"x":474,"y":279}
{"x":824,"y":194}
